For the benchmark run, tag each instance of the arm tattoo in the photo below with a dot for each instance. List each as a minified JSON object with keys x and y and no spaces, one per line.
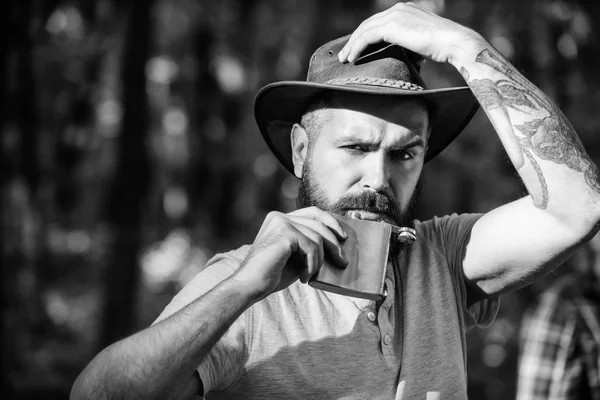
{"x":551,"y":138}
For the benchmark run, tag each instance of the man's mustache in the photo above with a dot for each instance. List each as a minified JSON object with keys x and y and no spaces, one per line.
{"x":368,"y":201}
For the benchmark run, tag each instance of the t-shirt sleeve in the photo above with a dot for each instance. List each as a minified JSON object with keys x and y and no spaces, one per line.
{"x":226,"y":360}
{"x":453,"y":233}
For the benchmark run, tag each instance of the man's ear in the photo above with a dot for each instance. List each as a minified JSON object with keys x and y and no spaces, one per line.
{"x":299,"y":139}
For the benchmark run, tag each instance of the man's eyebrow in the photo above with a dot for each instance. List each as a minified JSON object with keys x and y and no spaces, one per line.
{"x":355,"y":137}
{"x":365,"y":139}
{"x":416,"y":142}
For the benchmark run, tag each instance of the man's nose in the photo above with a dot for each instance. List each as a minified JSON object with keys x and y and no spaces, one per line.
{"x":376,"y":174}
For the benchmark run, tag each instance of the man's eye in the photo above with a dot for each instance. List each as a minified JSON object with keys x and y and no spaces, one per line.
{"x":402,"y":155}
{"x":356,"y":148}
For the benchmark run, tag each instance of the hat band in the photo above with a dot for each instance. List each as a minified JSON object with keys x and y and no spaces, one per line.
{"x":376,"y":82}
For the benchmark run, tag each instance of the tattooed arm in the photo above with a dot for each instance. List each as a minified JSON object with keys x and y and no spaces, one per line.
{"x":520,"y":241}
{"x":532,"y":235}
{"x":529,"y":123}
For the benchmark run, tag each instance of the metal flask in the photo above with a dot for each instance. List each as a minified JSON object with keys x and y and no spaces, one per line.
{"x":367,"y":248}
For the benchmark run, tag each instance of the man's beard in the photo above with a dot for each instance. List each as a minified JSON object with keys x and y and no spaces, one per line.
{"x":310,"y":194}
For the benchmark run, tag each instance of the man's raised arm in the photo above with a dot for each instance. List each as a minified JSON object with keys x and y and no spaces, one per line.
{"x":515,"y":243}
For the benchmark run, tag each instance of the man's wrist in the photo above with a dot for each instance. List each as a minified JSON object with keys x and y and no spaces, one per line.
{"x":245,"y":288}
{"x":467,"y":49}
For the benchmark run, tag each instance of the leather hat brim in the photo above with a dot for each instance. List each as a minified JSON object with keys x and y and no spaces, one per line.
{"x":279,"y":105}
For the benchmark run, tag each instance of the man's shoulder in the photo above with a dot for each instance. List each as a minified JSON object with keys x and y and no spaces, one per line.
{"x":218,"y":268}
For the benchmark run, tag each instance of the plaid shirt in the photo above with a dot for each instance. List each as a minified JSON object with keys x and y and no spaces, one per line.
{"x":560,"y":356}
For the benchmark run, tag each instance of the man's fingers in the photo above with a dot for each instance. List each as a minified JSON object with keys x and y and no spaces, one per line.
{"x":372,"y":31}
{"x":324,"y":217}
{"x":367,"y":37}
{"x":329,"y":241}
{"x":309,"y":250}
{"x":317,"y":243}
{"x":387,"y":26}
{"x":343,"y":54}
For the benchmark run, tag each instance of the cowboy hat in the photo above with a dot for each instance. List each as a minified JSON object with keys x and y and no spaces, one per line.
{"x":383,"y":70}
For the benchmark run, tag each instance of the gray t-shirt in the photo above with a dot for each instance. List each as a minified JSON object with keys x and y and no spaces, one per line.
{"x":304,"y":343}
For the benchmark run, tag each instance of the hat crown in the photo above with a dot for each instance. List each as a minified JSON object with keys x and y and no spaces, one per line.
{"x":379,"y":61}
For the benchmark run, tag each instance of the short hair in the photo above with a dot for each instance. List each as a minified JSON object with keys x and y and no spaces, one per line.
{"x":317,"y":110}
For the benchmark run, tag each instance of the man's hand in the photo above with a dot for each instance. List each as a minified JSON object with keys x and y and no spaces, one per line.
{"x":291,"y":246}
{"x":416,"y":29}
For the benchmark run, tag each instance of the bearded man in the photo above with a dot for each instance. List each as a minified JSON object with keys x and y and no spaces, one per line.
{"x":357,"y":133}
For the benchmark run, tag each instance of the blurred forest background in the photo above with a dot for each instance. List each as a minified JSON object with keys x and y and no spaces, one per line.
{"x":130,"y":155}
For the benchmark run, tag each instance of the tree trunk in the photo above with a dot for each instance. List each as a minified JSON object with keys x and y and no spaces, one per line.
{"x":129,"y":188}
{"x":21,"y":302}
